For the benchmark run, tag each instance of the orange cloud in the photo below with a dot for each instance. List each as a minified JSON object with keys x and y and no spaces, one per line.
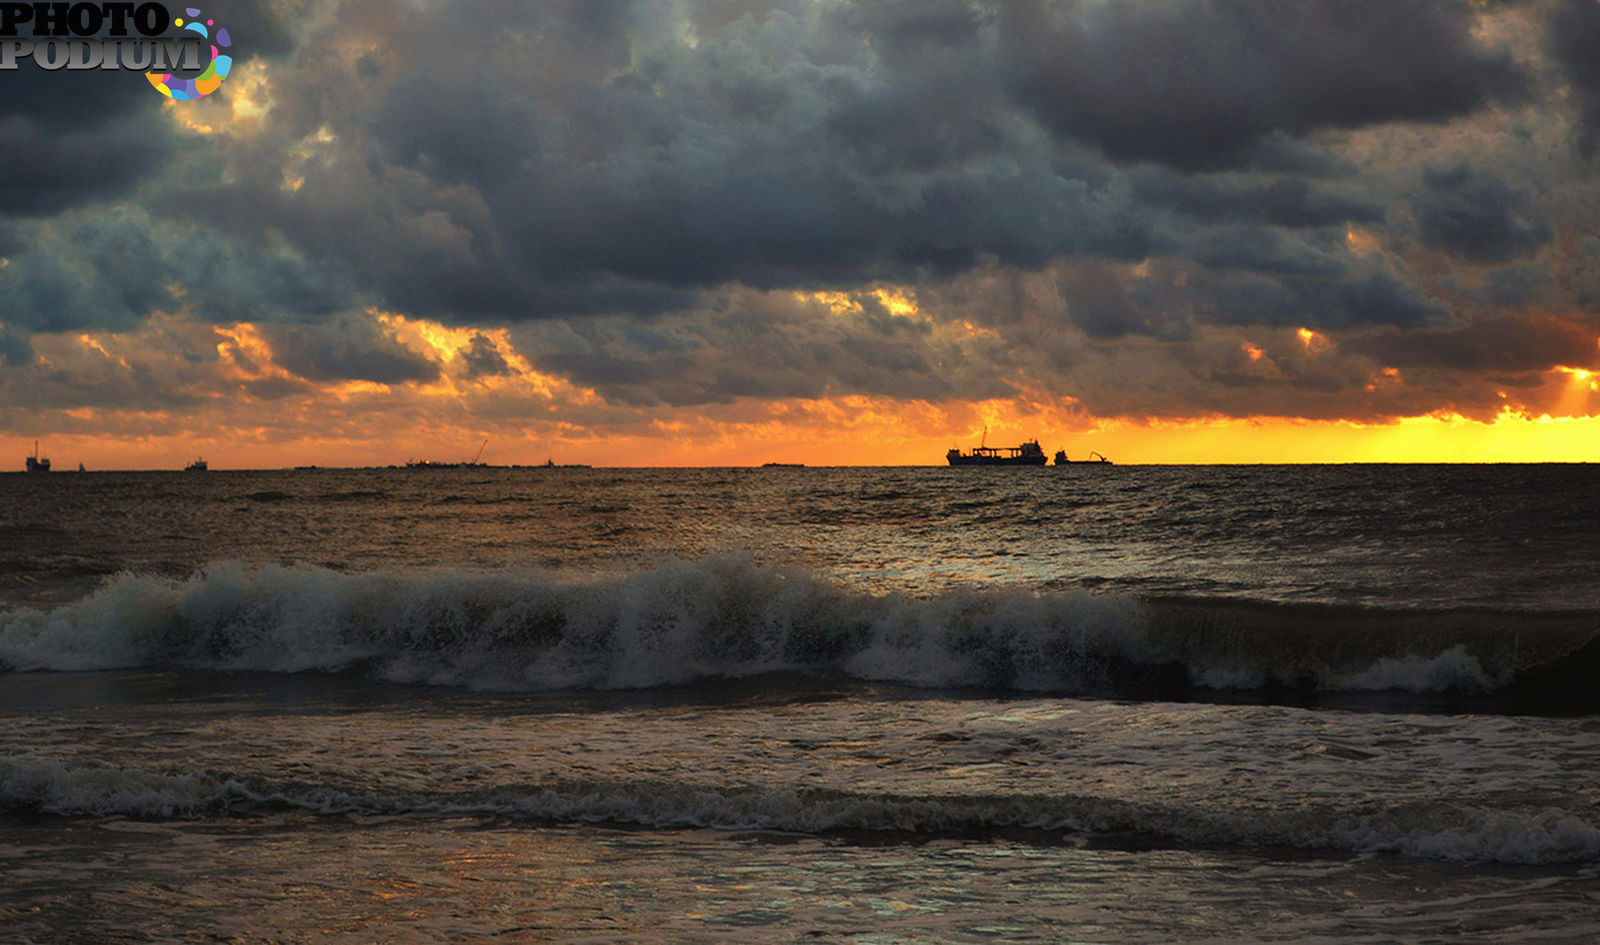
{"x":227,"y":396}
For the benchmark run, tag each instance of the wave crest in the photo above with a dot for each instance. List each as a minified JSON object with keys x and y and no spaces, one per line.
{"x":729,"y":616}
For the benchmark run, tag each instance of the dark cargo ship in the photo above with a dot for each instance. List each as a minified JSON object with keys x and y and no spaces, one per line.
{"x":1095,"y":459}
{"x":1028,"y":454}
{"x":36,"y":463}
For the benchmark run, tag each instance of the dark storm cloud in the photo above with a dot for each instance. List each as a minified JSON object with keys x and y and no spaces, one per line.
{"x":578,"y":171}
{"x":1266,"y":250}
{"x":348,"y":348}
{"x":85,"y":271}
{"x":1475,"y":216}
{"x":1106,"y":303}
{"x":81,"y":252}
{"x":1504,"y":345}
{"x":15,"y":348}
{"x":73,"y":137}
{"x":111,"y":268}
{"x":1573,"y":38}
{"x":938,"y":23}
{"x":767,"y":345}
{"x":11,"y":239}
{"x":1198,"y":84}
{"x":591,"y":162}
{"x":78,"y":136}
{"x":1514,"y":287}
{"x":483,"y":358}
{"x":1376,"y":298}
{"x":1281,"y":201}
{"x":1252,"y":287}
{"x":599,"y":165}
{"x":643,"y":187}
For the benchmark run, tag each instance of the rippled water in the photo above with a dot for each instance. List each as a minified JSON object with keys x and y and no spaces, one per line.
{"x":1127,"y":704}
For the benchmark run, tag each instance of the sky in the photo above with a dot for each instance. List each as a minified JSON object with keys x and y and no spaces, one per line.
{"x":725,"y":232}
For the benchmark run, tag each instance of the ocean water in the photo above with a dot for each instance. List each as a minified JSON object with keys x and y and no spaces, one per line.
{"x":1116,"y":704}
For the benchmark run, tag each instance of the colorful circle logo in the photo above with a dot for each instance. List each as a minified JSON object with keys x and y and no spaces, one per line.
{"x":205,"y":83}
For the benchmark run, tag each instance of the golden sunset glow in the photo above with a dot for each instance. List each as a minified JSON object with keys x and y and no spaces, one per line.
{"x":260,"y":413}
{"x":845,"y":431}
{"x":895,"y":301}
{"x":1361,"y":241}
{"x":1314,"y":342}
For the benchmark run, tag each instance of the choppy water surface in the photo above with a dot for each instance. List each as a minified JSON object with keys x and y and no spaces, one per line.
{"x":1124,"y":704}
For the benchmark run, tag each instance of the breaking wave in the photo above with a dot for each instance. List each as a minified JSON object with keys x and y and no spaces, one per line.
{"x":33,"y":784}
{"x":729,"y":616}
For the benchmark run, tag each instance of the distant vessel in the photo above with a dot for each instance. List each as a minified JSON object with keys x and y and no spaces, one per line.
{"x":37,"y":463}
{"x":474,"y":463}
{"x":1062,"y":460}
{"x":783,"y":465}
{"x":1028,"y":454}
{"x":199,"y":465}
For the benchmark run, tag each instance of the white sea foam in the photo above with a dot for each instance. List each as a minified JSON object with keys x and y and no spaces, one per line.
{"x":720,"y":616}
{"x":672,"y":624}
{"x":34,"y":783}
{"x":1452,"y":669}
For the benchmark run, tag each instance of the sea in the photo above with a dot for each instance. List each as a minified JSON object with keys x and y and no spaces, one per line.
{"x":1088,"y":703}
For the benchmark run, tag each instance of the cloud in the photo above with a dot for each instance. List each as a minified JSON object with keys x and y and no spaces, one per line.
{"x":79,"y":136}
{"x":163,"y":365}
{"x":714,"y":203}
{"x":483,"y":358}
{"x":74,"y":137}
{"x":349,"y":347}
{"x":1572,"y":38}
{"x":1514,"y":287}
{"x":1476,"y":216}
{"x":1505,"y":345}
{"x":1276,"y":200}
{"x":1378,"y":298}
{"x":628,"y":158}
{"x":113,"y":267}
{"x":15,"y":348}
{"x":770,"y":345}
{"x":1200,"y":84}
{"x":606,"y":166}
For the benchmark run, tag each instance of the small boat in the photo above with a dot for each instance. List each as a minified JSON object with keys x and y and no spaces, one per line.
{"x":199,"y":465}
{"x":1094,"y":459}
{"x":1028,"y":454}
{"x":37,"y":463}
{"x":475,"y":462}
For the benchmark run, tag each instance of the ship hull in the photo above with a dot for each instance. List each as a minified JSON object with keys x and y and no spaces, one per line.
{"x":996,"y":460}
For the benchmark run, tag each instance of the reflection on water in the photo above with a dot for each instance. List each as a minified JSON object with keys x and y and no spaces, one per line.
{"x":294,"y":878}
